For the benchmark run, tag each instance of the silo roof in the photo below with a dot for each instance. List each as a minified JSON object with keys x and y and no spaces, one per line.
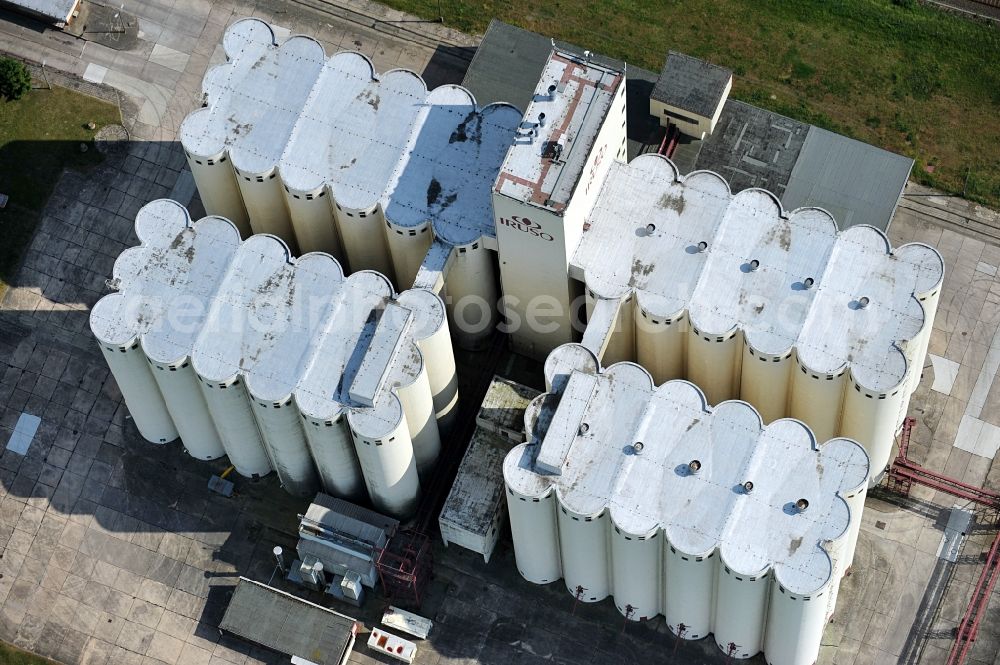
{"x":289,"y":326}
{"x":741,"y":262}
{"x":582,"y":445}
{"x":426,"y":156}
{"x":164,"y":283}
{"x":574,"y":94}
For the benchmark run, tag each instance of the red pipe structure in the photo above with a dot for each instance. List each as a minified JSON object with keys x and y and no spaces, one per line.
{"x":902,"y":474}
{"x":969,"y":627}
{"x":669,"y":142}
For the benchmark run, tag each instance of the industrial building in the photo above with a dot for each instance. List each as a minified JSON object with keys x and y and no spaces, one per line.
{"x":271,"y":330}
{"x":58,"y":13}
{"x":690,"y":94}
{"x":307,"y":632}
{"x":282,"y":364}
{"x":708,"y":516}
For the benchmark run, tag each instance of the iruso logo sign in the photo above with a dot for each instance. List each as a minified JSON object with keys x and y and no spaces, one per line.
{"x":525,"y":225}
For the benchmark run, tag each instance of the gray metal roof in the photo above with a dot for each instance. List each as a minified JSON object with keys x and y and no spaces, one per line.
{"x":326,"y":505}
{"x":280,"y":621}
{"x":858,"y":183}
{"x":691,"y":84}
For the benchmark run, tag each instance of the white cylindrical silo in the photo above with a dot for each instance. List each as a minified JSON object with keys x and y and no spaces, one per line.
{"x":660,"y":344}
{"x":407,"y":248}
{"x":265,"y":204}
{"x":856,"y":504}
{"x":311,"y":215}
{"x":179,"y":386}
{"x":332,"y":450}
{"x":841,"y":550}
{"x":817,"y":400}
{"x":439,"y":356}
{"x":583,"y":545}
{"x":418,"y":410}
{"x":142,"y":396}
{"x":363,"y":240}
{"x":689,"y":595}
{"x":281,"y":431}
{"x":535,"y":536}
{"x":927,"y":290}
{"x":740,"y":611}
{"x":713,"y":363}
{"x":765,"y":382}
{"x":870,"y":419}
{"x":229,"y":405}
{"x":390,"y":470}
{"x":471,"y":288}
{"x":794,"y":627}
{"x":218,"y":189}
{"x":635,"y":573}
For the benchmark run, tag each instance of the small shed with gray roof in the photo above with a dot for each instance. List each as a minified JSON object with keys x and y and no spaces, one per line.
{"x":690,"y":94}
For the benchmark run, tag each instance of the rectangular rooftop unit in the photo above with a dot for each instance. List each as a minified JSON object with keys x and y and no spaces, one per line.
{"x":277,"y":620}
{"x":344,"y":537}
{"x":475,"y":510}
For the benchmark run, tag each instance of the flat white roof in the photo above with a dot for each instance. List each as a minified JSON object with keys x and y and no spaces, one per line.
{"x":643,"y":236}
{"x":179,"y":263}
{"x":58,"y":11}
{"x":574,"y":95}
{"x":586,"y":429}
{"x":289,"y":326}
{"x":426,"y":156}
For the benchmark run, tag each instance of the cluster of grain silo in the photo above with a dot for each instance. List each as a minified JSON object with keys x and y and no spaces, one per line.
{"x":747,"y":301}
{"x":282,"y":364}
{"x":370,"y":169}
{"x":722,"y":524}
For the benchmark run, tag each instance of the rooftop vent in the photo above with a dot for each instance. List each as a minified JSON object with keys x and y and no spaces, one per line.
{"x":694,"y":466}
{"x":808,"y":282}
{"x":754,"y":264}
{"x":747,"y":487}
{"x":702,"y":246}
{"x":552,"y":91}
{"x":863,"y":302}
{"x":553,"y":150}
{"x":584,"y":428}
{"x":541,"y":119}
{"x":650,"y":229}
{"x":801,"y":505}
{"x":637,"y":447}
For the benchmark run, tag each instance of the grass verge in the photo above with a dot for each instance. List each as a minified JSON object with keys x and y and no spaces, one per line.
{"x":40,"y":135}
{"x":906,"y":77}
{"x":13,"y":656}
